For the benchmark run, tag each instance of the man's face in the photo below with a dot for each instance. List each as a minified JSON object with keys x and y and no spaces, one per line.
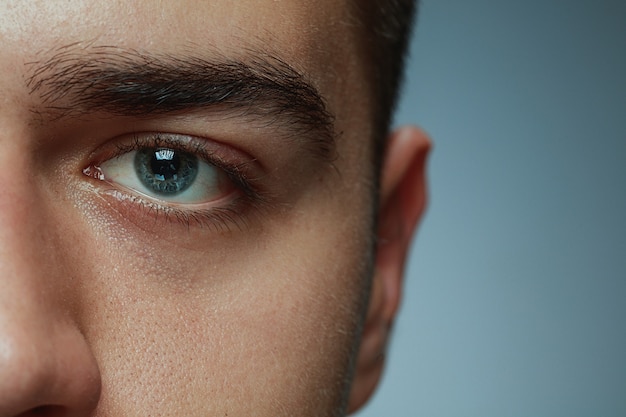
{"x":240,"y":295}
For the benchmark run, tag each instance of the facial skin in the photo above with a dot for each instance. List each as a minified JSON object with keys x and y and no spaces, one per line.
{"x":252,"y":297}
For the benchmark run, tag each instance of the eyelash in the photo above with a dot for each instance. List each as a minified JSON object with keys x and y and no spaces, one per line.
{"x":234,"y":213}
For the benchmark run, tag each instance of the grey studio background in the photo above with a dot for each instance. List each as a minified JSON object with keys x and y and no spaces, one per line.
{"x":515,"y":298}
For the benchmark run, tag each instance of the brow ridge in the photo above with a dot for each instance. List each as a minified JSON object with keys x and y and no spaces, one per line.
{"x":127,"y":82}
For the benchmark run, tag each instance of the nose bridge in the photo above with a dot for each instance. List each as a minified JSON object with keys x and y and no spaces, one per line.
{"x":23,"y":252}
{"x":27,"y":293}
{"x":45,"y":363}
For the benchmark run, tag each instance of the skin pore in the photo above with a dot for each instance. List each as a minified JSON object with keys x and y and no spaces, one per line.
{"x":247,"y":299}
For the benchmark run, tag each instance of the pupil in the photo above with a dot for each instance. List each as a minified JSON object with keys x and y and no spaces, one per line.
{"x":166,"y":171}
{"x":165,"y":164}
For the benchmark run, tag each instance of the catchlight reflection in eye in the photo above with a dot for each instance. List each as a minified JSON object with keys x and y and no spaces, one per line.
{"x":166,"y":174}
{"x":165,"y":171}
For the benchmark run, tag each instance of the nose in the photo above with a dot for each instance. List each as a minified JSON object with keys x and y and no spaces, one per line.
{"x":46,"y":365}
{"x":44,"y":370}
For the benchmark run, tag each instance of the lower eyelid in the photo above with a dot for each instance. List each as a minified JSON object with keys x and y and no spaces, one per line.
{"x":151,"y":216}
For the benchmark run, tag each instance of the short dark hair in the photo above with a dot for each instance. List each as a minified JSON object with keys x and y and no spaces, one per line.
{"x":387,"y":27}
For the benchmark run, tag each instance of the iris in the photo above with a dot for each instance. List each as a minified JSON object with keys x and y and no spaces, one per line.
{"x":166,"y":171}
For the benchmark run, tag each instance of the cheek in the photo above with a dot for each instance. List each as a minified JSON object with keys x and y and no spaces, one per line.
{"x":265,"y":322}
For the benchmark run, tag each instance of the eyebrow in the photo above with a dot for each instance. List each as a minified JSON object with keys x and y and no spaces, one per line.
{"x":123,"y":82}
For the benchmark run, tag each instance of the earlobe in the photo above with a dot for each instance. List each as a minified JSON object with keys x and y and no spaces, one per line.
{"x":402,"y":202}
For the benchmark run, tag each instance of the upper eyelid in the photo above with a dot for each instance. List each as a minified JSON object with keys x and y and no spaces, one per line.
{"x":210,"y":150}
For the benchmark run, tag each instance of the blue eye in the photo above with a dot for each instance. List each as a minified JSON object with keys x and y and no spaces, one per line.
{"x":166,"y":174}
{"x":165,"y":171}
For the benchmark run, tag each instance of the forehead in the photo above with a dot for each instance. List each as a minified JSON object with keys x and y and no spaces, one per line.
{"x":307,"y":33}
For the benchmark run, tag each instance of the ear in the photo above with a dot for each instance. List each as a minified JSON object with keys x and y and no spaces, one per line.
{"x":402,"y":201}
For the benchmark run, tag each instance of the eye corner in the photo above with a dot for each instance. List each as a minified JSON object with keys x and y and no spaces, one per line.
{"x":93,"y":171}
